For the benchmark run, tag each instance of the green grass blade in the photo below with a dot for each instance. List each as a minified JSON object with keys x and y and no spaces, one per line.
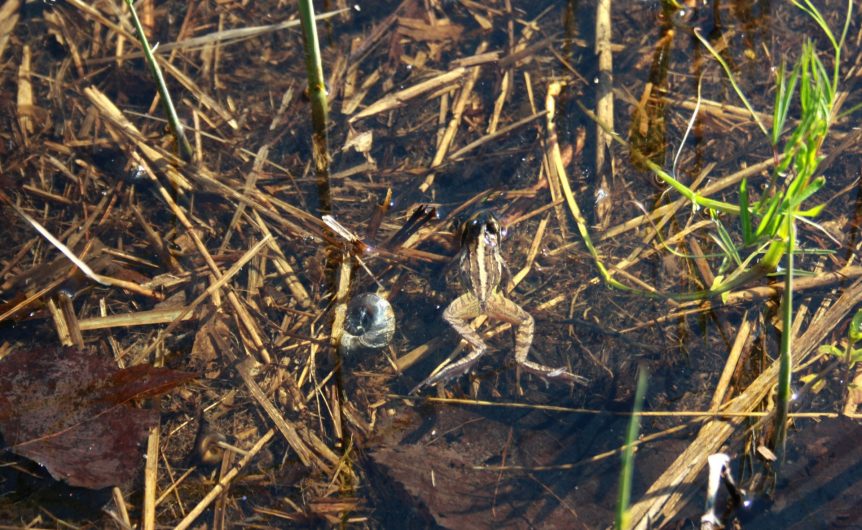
{"x":744,"y":213}
{"x":730,"y":76}
{"x":812,"y":212}
{"x":623,"y":521}
{"x":314,"y":66}
{"x":185,"y":148}
{"x":783,"y":99}
{"x":814,"y":13}
{"x":725,"y":242}
{"x":770,"y":217}
{"x":800,"y":196}
{"x":688,"y":193}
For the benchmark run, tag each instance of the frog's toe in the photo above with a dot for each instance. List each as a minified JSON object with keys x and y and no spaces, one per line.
{"x":441,"y":377}
{"x":548,"y":374}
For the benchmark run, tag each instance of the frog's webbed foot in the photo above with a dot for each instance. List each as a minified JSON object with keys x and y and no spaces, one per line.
{"x":549,"y":375}
{"x":452,"y":371}
{"x":509,"y":311}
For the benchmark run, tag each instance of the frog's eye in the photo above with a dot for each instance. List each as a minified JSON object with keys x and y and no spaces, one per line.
{"x":493,"y":227}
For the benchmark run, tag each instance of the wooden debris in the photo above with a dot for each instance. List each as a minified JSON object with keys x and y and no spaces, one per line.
{"x":402,"y":97}
{"x":227,"y":266}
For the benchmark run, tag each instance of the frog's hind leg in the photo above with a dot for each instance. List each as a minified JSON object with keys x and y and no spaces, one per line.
{"x":459,"y":313}
{"x":508,"y":311}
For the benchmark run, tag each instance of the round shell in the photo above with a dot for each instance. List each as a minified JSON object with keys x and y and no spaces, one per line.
{"x":370,"y":323}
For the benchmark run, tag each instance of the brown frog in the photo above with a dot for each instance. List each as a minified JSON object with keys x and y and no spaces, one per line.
{"x":481,"y":266}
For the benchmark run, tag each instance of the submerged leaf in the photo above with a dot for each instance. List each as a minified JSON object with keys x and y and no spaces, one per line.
{"x":69,"y":410}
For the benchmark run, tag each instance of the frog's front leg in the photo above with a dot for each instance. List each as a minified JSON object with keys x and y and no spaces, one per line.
{"x":459,"y":314}
{"x":502,"y":308}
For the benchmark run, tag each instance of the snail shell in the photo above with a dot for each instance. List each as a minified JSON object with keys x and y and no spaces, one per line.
{"x":370,"y":323}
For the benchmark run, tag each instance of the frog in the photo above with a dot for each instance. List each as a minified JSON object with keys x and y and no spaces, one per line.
{"x":482,"y":269}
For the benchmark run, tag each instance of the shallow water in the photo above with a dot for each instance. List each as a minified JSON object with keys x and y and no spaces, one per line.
{"x":496,"y":458}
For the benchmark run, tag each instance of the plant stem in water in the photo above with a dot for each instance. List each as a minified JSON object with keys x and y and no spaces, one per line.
{"x":185,"y":148}
{"x":319,"y":104}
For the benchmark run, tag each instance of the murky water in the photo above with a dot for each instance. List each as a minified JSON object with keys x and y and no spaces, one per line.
{"x":500,"y":454}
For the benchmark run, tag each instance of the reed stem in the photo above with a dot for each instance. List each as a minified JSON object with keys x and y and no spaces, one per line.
{"x":184,"y":147}
{"x":319,"y":104}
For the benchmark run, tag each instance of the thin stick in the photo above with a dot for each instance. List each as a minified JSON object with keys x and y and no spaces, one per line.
{"x":141,"y":318}
{"x":642,"y":440}
{"x":726,"y":413}
{"x":224,"y":37}
{"x":203,"y":296}
{"x":558,"y":171}
{"x":224,"y":482}
{"x":121,"y":507}
{"x":533,"y":252}
{"x":742,"y":336}
{"x":455,"y":122}
{"x":398,"y":99}
{"x":288,"y":430}
{"x":491,"y":136}
{"x":151,"y":471}
{"x":66,"y":251}
{"x":240,"y":310}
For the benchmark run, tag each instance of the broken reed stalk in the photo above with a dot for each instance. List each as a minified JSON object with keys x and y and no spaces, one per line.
{"x":185,"y":148}
{"x":151,"y":470}
{"x":319,"y":104}
{"x":604,"y":90}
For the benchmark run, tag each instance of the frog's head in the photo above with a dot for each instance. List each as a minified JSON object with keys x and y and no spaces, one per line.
{"x":483,"y":227}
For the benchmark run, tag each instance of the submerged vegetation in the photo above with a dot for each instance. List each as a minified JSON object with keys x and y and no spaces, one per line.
{"x":317,"y":169}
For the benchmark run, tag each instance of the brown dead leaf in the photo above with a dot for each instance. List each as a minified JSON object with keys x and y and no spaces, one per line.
{"x":204,"y":355}
{"x":69,"y":410}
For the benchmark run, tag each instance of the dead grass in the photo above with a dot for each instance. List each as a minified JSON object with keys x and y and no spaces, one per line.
{"x":224,"y":265}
